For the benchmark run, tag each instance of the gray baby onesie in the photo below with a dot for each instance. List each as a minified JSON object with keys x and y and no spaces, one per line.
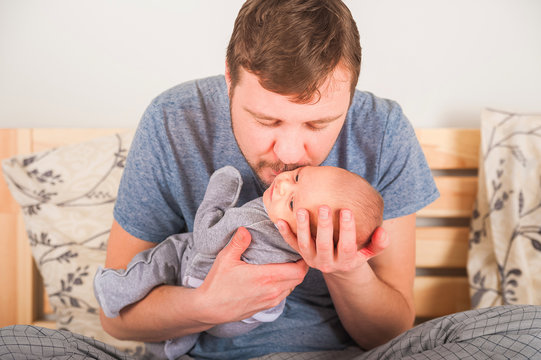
{"x":185,"y":259}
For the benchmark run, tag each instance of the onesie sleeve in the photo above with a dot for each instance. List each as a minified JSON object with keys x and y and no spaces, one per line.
{"x":222,"y":193}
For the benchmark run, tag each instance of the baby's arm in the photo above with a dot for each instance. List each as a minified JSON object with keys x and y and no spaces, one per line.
{"x":222,"y":194}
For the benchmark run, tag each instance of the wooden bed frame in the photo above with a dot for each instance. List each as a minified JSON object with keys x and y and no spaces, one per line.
{"x":441,"y":285}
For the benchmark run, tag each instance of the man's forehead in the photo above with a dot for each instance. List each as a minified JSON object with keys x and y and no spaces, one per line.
{"x":339,"y":78}
{"x":333,"y":101}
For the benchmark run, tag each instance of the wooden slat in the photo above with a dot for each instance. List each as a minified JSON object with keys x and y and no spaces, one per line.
{"x":442,"y":247}
{"x":457,"y":197}
{"x":446,"y":247}
{"x":8,"y":268}
{"x":16,"y":264}
{"x":26,"y":268}
{"x":8,"y":231}
{"x":450,"y":148}
{"x":437,"y":295}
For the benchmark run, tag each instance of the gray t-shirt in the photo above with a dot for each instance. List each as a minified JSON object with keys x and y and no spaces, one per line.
{"x":185,"y":135}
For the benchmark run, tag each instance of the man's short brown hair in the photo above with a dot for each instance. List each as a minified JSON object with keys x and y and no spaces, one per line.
{"x":293,"y":46}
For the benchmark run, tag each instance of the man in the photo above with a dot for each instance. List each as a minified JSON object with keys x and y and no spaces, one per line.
{"x":288,"y":99}
{"x":292,"y":68}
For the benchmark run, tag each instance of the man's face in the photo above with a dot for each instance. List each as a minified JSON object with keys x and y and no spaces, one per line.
{"x":276,"y":134}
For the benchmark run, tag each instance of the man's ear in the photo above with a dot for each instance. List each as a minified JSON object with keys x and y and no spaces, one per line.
{"x":228,"y":79}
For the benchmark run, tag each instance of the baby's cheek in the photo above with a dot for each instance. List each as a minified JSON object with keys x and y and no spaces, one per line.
{"x":273,"y":218}
{"x":293,"y":227}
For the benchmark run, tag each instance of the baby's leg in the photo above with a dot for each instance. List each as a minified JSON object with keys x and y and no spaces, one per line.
{"x":117,"y":288}
{"x":175,"y":348}
{"x":244,"y":326}
{"x":268,"y":315}
{"x":232,"y":329}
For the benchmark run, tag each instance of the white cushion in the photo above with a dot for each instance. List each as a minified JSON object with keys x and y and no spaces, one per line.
{"x":67,"y":196}
{"x":505,"y":237}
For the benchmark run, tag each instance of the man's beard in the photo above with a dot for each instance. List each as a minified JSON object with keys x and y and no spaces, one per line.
{"x":277,"y":167}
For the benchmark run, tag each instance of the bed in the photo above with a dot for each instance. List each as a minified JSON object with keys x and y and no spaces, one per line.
{"x":443,"y":228}
{"x":441,"y":245}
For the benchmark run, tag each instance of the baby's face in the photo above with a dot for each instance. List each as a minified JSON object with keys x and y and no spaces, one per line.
{"x":303,"y":188}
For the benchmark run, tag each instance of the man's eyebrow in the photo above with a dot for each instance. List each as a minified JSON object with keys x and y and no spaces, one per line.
{"x":323,"y":120}
{"x":260,"y":115}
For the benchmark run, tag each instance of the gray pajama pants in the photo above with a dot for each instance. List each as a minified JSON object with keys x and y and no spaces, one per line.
{"x":503,"y":332}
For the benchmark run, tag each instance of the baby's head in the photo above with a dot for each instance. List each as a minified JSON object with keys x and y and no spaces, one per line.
{"x":310,"y":187}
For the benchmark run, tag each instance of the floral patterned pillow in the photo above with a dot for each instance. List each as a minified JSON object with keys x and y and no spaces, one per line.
{"x":505,"y":235}
{"x":67,"y":196}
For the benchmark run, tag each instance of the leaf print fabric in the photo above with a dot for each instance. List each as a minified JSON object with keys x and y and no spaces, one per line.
{"x":67,"y":196}
{"x":504,"y":260}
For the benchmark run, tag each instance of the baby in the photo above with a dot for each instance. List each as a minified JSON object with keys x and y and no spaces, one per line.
{"x":185,"y":259}
{"x":312,"y":186}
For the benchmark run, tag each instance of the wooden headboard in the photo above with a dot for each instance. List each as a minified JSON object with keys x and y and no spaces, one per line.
{"x":441,"y":285}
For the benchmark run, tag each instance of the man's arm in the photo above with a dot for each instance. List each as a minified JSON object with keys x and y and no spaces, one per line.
{"x":373,"y":298}
{"x":232,"y":291}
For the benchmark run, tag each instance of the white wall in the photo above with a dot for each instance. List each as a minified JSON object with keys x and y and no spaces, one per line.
{"x":74,"y":63}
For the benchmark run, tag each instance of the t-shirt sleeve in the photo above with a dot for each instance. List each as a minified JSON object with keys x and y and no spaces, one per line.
{"x":145,"y":205}
{"x":404,"y":178}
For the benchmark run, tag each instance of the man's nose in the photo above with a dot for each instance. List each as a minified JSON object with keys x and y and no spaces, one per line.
{"x":289,"y":148}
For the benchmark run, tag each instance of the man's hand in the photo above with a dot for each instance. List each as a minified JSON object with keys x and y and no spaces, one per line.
{"x":322,"y":253}
{"x":374,"y":299}
{"x":234,"y":290}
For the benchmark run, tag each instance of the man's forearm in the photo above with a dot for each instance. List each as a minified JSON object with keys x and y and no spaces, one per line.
{"x":180,"y":314}
{"x":370,"y":310}
{"x":232,"y":291}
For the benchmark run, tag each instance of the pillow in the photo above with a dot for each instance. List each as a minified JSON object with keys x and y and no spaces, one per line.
{"x":67,"y":196}
{"x":504,"y":260}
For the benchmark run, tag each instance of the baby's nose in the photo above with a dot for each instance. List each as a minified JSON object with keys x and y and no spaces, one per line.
{"x":284,"y":186}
